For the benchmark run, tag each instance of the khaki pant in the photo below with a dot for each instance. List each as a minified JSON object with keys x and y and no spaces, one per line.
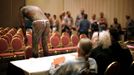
{"x":40,"y":31}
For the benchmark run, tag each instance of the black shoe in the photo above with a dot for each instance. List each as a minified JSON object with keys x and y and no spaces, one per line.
{"x":35,"y":55}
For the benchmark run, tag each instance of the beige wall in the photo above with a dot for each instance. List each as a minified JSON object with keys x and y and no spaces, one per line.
{"x":111,"y":8}
{"x":50,"y":6}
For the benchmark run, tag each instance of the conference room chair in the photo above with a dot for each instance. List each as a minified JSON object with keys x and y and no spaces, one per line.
{"x":82,"y":36}
{"x":54,"y":41}
{"x":65,"y":40}
{"x":9,"y":35}
{"x":4,"y":53}
{"x":113,"y":69}
{"x":74,"y":39}
{"x":18,"y":47}
{"x":131,"y":69}
{"x":29,"y":38}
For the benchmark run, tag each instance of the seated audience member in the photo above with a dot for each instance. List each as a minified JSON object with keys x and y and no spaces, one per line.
{"x":123,"y":56}
{"x":106,"y":51}
{"x":81,"y":65}
{"x":101,"y":52}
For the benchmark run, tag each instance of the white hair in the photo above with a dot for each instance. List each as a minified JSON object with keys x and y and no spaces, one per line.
{"x":101,"y":38}
{"x":95,"y":39}
{"x":105,"y":39}
{"x":95,"y":35}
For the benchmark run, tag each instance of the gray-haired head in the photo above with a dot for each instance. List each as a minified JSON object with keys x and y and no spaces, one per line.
{"x":105,"y":39}
{"x":85,"y":46}
{"x":101,"y":39}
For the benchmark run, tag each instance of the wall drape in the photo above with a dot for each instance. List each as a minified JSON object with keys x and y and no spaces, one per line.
{"x":111,"y":8}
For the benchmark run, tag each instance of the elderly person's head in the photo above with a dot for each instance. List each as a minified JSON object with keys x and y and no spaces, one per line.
{"x":105,"y":39}
{"x":84,"y":47}
{"x":102,"y":39}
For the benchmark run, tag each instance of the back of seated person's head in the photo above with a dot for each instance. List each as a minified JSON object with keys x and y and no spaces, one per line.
{"x":104,"y":39}
{"x":84,"y":47}
{"x":78,"y":68}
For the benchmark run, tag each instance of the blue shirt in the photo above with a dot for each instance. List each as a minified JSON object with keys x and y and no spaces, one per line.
{"x":84,"y":25}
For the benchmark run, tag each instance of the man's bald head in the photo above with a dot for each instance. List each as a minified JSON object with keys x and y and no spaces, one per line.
{"x":85,"y":46}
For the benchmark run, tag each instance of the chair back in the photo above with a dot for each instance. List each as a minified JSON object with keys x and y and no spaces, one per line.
{"x":83,"y":36}
{"x":56,"y":34}
{"x":54,"y":41}
{"x":113,"y":69}
{"x":65,"y":33}
{"x":29,"y":37}
{"x":3,"y":44}
{"x":9,"y":36}
{"x":12,"y":31}
{"x":16,"y":43}
{"x":131,"y":69}
{"x":65,"y":40}
{"x":74,"y":39}
{"x":6,"y":38}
